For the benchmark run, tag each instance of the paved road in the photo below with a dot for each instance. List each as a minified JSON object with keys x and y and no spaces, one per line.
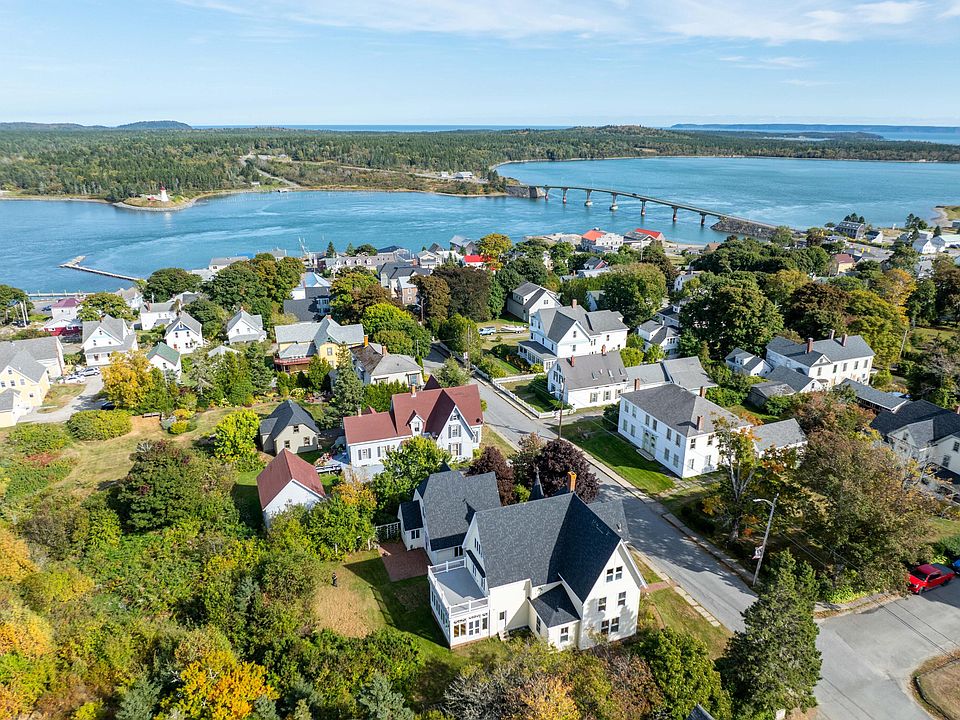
{"x":867,"y":657}
{"x":84,"y":401}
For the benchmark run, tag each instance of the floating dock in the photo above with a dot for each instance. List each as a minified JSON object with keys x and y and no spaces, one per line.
{"x":75,"y":265}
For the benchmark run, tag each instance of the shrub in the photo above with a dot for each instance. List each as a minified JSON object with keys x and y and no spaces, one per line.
{"x":26,"y":477}
{"x":179,"y":427}
{"x":99,"y":424}
{"x":779,"y":405}
{"x":182,"y":414}
{"x":725,"y":397}
{"x":491,"y":367}
{"x":36,"y":439}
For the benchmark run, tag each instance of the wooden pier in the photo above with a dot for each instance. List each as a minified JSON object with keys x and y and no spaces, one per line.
{"x":75,"y":265}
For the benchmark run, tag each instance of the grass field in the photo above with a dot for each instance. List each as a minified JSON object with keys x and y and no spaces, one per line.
{"x":940,"y":688}
{"x":534,"y":393}
{"x":617,"y":454}
{"x":59,"y":396}
{"x":673,"y":611}
{"x":493,"y":439}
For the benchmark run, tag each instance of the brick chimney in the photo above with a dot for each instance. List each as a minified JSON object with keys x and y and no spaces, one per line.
{"x":703,"y":391}
{"x":573,"y":361}
{"x":366,"y":340}
{"x":699,"y":422}
{"x":573,"y":302}
{"x":843,"y":340}
{"x":809,"y":344}
{"x":833,"y":334}
{"x":572,"y":481}
{"x":636,"y":384}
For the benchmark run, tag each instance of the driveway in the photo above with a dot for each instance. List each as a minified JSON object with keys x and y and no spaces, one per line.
{"x":84,"y":401}
{"x":867,"y":656}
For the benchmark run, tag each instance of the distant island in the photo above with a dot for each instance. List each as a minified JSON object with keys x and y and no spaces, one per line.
{"x":115,"y":164}
{"x":825,"y":129}
{"x":141,"y":125}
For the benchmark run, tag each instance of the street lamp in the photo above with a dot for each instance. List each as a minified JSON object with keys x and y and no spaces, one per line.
{"x":762,"y":549}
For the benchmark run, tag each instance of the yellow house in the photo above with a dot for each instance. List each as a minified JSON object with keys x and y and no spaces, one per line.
{"x":299,"y":342}
{"x":24,"y":382}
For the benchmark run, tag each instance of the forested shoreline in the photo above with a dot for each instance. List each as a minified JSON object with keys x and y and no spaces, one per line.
{"x":115,"y":164}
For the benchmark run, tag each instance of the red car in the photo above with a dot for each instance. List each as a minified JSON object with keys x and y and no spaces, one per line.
{"x":925,"y":577}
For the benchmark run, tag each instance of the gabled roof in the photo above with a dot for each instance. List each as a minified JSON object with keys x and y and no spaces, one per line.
{"x":285,"y":468}
{"x":40,"y":349}
{"x":744,"y":359}
{"x":784,"y":377}
{"x":70,"y":302}
{"x":164,"y":352}
{"x":114,"y":327}
{"x":252,"y":321}
{"x":449,"y":501}
{"x":187,"y":320}
{"x":319,"y":333}
{"x":927,"y":423}
{"x":526,"y":289}
{"x":657,"y":333}
{"x":679,"y":409}
{"x":594,"y":263}
{"x":13,"y":356}
{"x":589,"y":371}
{"x":558,"y":321}
{"x":434,"y":407}
{"x":871,"y":396}
{"x":850,"y":347}
{"x":640,"y":233}
{"x":286,"y":414}
{"x":554,"y":607}
{"x":377,"y":363}
{"x":548,"y":540}
{"x":688,"y":373}
{"x":785,"y":433}
{"x":411,"y":514}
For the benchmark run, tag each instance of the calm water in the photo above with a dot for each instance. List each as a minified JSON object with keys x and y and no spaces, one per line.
{"x":35,"y":236}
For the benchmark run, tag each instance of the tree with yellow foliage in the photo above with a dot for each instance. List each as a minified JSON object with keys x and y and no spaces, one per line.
{"x":127,"y":379}
{"x":218,"y":687}
{"x":545,"y":698}
{"x":15,"y":562}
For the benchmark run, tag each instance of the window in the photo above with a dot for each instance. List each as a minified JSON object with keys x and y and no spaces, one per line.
{"x":676,"y":460}
{"x":623,"y":422}
{"x":605,"y":627}
{"x":573,"y":348}
{"x":329,"y":351}
{"x":459,"y":629}
{"x":956,"y":446}
{"x":458,"y":551}
{"x":564,"y":634}
{"x":690,"y":463}
{"x":646,"y":420}
{"x":622,"y":599}
{"x":845,"y":367}
{"x":618,"y":572}
{"x":669,"y":434}
{"x":593,"y":397}
{"x":633,"y":410}
{"x":454,"y":431}
{"x":456,"y":449}
{"x":365,"y":453}
{"x":610,"y":575}
{"x":693,"y":444}
{"x":615,"y":625}
{"x":602,"y":605}
{"x":856,"y":364}
{"x":654,"y":423}
{"x":286,"y":444}
{"x":415,"y":534}
{"x":296,"y":428}
{"x":709,"y":440}
{"x":606,"y":394}
{"x":676,"y":439}
{"x":503,"y":616}
{"x":538,"y":624}
{"x":476,"y":545}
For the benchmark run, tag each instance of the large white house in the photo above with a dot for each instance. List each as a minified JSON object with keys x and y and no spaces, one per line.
{"x":665,"y":337}
{"x":588,"y":381}
{"x":244,"y":327}
{"x":555,"y":566}
{"x":564,"y":332}
{"x":529,"y":297}
{"x":828,"y":362}
{"x":924,"y":432}
{"x":675,"y":427}
{"x":184,"y":333}
{"x":103,"y":337}
{"x":26,"y":369}
{"x":602,"y":241}
{"x":451,"y":417}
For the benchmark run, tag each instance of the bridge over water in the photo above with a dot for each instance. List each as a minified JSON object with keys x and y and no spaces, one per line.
{"x":676,"y":206}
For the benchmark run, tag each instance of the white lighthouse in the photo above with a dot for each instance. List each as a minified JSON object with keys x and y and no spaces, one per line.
{"x":163,"y":194}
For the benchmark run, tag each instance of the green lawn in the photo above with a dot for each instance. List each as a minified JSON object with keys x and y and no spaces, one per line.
{"x":503,"y":365}
{"x":494,"y":439}
{"x":617,"y":454}
{"x":671,"y":610}
{"x":534,"y":393}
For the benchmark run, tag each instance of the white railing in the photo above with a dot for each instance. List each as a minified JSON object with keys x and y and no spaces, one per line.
{"x":461,"y":608}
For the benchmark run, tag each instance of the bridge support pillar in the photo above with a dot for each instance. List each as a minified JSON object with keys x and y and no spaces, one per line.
{"x":703,"y":219}
{"x":643,"y":208}
{"x":613,"y":203}
{"x":675,"y":214}
{"x":564,"y":196}
{"x":546,"y":192}
{"x":589,"y":202}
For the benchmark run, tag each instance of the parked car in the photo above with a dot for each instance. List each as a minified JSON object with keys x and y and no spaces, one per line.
{"x":956,"y":565}
{"x":487,"y":330}
{"x":90,"y":371}
{"x":929,"y":576}
{"x":70,"y":380}
{"x":109,"y":405}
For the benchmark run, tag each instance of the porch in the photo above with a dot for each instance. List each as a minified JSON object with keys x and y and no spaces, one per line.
{"x":459,"y":606}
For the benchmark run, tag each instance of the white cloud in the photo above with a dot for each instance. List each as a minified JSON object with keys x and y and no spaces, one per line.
{"x":767,"y":63}
{"x":800,"y":82}
{"x":627,"y":21}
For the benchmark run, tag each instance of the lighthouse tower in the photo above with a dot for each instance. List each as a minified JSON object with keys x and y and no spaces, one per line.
{"x":163,"y":194}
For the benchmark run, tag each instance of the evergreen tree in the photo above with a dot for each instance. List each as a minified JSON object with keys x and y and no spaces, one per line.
{"x":139,"y":701}
{"x":774,"y":663}
{"x":347,"y":389}
{"x":379,"y":701}
{"x":317,"y":372}
{"x":261,"y":375}
{"x":331,"y":250}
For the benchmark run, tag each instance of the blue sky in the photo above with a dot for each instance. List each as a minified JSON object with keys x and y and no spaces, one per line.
{"x":479,"y":62}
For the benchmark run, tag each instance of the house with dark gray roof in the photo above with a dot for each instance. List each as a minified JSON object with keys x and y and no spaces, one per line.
{"x":563,"y":332}
{"x":244,"y":327}
{"x":103,"y":337}
{"x":289,"y":427}
{"x":665,"y":337}
{"x":783,"y":435}
{"x":299,"y":342}
{"x":555,"y":566}
{"x":746,"y":363}
{"x":829,"y":362}
{"x":922,"y":431}
{"x":529,"y":297}
{"x":308,"y":304}
{"x":872,"y":399}
{"x":781,"y":381}
{"x":375,"y":365}
{"x":588,"y":381}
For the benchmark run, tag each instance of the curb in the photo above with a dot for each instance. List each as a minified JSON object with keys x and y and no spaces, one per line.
{"x":725,"y":560}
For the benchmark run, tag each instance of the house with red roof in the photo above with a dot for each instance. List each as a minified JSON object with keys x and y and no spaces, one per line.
{"x":641,"y":237}
{"x":474,"y":261}
{"x":288,"y":481}
{"x":598,"y":240}
{"x":451,"y":417}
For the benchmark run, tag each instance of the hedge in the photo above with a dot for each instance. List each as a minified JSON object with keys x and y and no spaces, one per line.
{"x":99,"y":424}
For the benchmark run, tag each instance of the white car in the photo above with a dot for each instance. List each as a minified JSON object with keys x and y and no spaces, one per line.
{"x":90,"y":371}
{"x":487,"y":330}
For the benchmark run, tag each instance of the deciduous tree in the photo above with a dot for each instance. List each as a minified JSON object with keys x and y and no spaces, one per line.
{"x":556,"y":460}
{"x":97,"y":305}
{"x":235,"y":439}
{"x":492,"y":460}
{"x":635,"y":291}
{"x":685,"y":675}
{"x":493,"y":247}
{"x":404,"y":468}
{"x":164,"y":283}
{"x":434,"y":295}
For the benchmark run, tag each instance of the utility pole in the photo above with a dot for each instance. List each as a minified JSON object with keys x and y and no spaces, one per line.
{"x":766,"y":535}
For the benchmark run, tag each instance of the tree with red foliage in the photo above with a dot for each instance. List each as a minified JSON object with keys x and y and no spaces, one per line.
{"x":492,"y":460}
{"x":556,"y":460}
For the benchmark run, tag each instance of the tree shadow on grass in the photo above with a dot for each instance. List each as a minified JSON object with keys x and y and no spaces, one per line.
{"x":247,"y":501}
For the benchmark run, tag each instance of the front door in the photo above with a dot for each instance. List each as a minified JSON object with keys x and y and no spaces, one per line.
{"x":502,"y":621}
